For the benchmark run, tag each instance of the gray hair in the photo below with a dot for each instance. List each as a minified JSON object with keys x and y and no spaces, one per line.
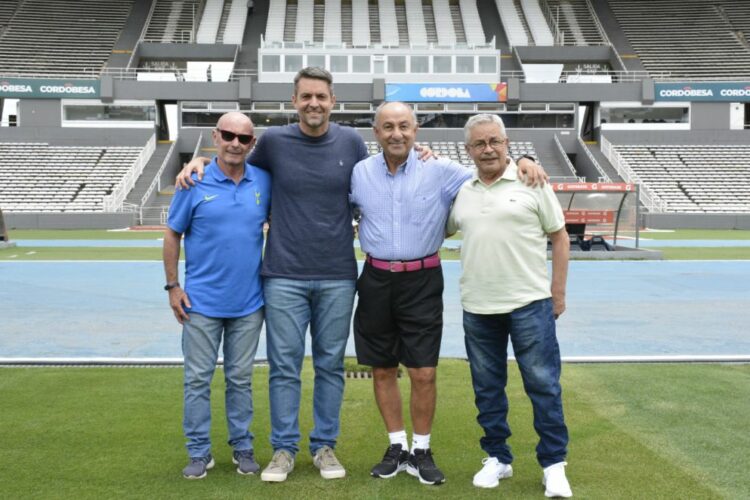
{"x":481,"y":119}
{"x":314,"y":73}
{"x":385,"y":103}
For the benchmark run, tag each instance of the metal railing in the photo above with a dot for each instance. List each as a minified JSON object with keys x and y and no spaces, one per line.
{"x":156,"y":182}
{"x":603,"y":177}
{"x":564,"y":155}
{"x":114,"y":202}
{"x":650,"y":199}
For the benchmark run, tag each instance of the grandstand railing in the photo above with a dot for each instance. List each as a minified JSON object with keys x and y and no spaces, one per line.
{"x":115,"y":201}
{"x":377,"y":46}
{"x":603,"y":177}
{"x":144,"y":30}
{"x":564,"y":155}
{"x":650,"y":199}
{"x":156,"y":182}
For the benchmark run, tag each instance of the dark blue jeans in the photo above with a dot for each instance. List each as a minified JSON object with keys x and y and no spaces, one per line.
{"x":531,"y":329}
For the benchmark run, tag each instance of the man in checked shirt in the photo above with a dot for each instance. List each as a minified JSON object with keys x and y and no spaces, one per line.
{"x":404,"y":205}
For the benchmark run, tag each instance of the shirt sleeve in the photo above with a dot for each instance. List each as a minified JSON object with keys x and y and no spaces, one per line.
{"x":181,"y":211}
{"x":362,"y":152}
{"x":259,"y":156}
{"x":451,"y":226}
{"x":550,"y":212}
{"x":455,"y":176}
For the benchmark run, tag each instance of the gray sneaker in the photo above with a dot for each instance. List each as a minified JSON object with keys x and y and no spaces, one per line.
{"x":282,"y":463}
{"x":245,"y":461}
{"x":197,"y":467}
{"x":329,"y":466}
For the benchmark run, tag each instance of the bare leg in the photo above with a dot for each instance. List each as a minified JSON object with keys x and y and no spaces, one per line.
{"x":423,"y":398}
{"x":388,"y":397}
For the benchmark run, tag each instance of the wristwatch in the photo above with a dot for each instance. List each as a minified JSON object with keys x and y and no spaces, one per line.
{"x":169,"y":286}
{"x":528,"y":157}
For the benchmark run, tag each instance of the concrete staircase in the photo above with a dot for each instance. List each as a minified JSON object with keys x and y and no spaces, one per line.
{"x":149,"y":172}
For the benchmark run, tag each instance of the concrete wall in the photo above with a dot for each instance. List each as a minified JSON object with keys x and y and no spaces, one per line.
{"x":76,"y":136}
{"x":68,"y":221}
{"x":39,"y":113}
{"x":710,"y":115}
{"x":697,"y":221}
{"x":678,"y":137}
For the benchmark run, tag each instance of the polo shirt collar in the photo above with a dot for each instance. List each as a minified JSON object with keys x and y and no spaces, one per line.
{"x":510,"y":174}
{"x":219,"y":176}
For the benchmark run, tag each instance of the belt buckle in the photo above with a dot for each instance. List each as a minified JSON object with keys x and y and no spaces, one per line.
{"x":392,"y":266}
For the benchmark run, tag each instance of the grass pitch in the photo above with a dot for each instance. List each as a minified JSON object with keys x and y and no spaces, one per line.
{"x":637,"y":431}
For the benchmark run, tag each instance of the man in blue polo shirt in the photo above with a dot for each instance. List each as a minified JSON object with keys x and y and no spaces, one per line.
{"x":222,"y":220}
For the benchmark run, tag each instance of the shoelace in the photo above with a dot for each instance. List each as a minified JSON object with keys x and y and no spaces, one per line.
{"x":392,"y":453}
{"x":424,"y":459}
{"x":280,"y":460}
{"x":327,"y":457}
{"x":245,"y":454}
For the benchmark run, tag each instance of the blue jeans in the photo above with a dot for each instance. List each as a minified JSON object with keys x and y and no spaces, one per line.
{"x":201,"y":337}
{"x":532,"y":331}
{"x":292,"y":305}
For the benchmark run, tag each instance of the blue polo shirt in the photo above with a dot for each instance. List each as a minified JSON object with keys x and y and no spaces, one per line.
{"x":223,"y":227}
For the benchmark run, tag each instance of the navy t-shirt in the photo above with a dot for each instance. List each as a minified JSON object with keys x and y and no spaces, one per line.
{"x":311,"y":234}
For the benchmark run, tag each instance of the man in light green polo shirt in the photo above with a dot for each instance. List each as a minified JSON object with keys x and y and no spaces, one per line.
{"x":506,"y":294}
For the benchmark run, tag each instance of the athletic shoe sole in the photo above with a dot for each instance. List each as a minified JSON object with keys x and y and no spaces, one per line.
{"x":413,"y":471}
{"x":333,"y":474}
{"x":273,"y":477}
{"x":400,"y":468}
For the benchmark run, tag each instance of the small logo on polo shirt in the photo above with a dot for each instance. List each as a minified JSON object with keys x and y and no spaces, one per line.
{"x":341,"y":163}
{"x":257,"y":198}
{"x":209,"y":198}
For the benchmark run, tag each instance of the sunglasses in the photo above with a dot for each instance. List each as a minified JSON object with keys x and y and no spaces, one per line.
{"x":230,"y":136}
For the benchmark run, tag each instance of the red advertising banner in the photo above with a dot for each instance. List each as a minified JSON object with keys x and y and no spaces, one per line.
{"x":589,"y":216}
{"x":610,"y":187}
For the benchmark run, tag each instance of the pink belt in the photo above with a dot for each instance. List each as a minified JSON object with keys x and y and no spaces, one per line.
{"x":401,"y":266}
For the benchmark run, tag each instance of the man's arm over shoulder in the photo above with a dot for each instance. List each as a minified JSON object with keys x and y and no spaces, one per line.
{"x":260,"y":156}
{"x":455,"y":175}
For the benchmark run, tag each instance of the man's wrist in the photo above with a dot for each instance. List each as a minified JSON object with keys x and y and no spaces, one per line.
{"x":172,"y":284}
{"x":527,"y":156}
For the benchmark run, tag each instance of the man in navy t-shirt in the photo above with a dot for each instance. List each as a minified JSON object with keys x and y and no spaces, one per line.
{"x":309,"y":268}
{"x":222,"y":220}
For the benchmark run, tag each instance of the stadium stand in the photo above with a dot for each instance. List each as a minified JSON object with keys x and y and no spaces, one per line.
{"x":540,"y":31}
{"x":575,"y":22}
{"x":67,"y":38}
{"x":209,"y":25}
{"x":687,"y":178}
{"x":174,"y":21}
{"x":472,"y":23}
{"x":39,"y":177}
{"x":389,"y":36}
{"x":515,"y":29}
{"x":304,"y":21}
{"x":360,"y":27}
{"x":276,"y":21}
{"x":332,"y":22}
{"x":446,"y":35}
{"x":415,"y":22}
{"x":7,"y":9}
{"x":684,"y":38}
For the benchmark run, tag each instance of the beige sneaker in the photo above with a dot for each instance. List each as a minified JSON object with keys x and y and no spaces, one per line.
{"x":329,"y":466}
{"x":279,"y":468}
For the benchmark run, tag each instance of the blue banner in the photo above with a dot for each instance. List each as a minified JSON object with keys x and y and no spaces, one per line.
{"x":29,"y":88}
{"x":446,"y":92}
{"x":723,"y":91}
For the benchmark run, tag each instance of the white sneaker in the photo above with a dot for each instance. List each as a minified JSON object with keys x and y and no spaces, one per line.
{"x":492,"y":472}
{"x":326,"y":461}
{"x":282,"y":463}
{"x":555,"y":481}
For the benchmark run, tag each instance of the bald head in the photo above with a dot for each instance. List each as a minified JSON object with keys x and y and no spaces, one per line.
{"x":396,"y":130}
{"x":394,"y":105}
{"x":233,"y":138}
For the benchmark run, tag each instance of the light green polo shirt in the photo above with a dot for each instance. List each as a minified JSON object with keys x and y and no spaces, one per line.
{"x":504,"y":248}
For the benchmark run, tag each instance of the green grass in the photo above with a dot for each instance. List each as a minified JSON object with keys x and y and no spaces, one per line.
{"x":80,"y":253}
{"x":637,"y":431}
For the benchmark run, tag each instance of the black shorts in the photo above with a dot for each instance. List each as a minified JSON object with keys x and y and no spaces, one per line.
{"x":399,"y":318}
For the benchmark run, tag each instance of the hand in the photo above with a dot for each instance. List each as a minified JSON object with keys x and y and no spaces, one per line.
{"x":184,"y":179}
{"x":178,"y":300}
{"x":425,"y":153}
{"x":532,"y":173}
{"x":558,"y":304}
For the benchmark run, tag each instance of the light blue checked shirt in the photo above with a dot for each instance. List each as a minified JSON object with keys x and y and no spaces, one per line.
{"x":404,"y":215}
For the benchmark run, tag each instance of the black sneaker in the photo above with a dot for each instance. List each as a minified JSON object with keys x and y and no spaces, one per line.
{"x":422,"y":465}
{"x":394,"y":461}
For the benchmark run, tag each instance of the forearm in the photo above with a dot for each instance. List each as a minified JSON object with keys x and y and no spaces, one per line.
{"x":560,"y":257}
{"x":171,"y":255}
